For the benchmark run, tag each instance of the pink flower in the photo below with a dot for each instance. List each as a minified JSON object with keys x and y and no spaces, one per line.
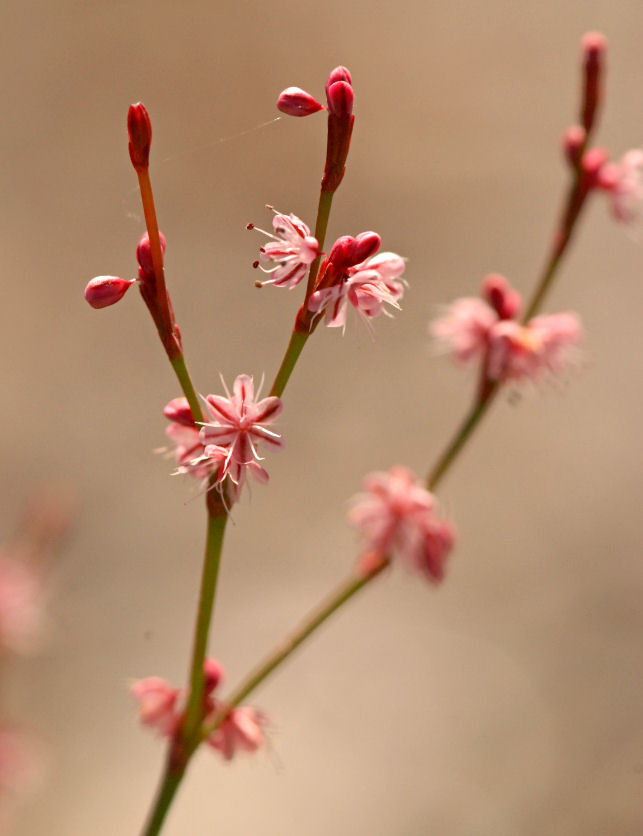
{"x":623,"y":182}
{"x":241,"y":730}
{"x":518,"y":352}
{"x":236,"y":430}
{"x":291,"y":251}
{"x":367,"y":285}
{"x":21,"y":605}
{"x":184,"y":434}
{"x":157,"y":704}
{"x":396,"y":515}
{"x":486,"y":331}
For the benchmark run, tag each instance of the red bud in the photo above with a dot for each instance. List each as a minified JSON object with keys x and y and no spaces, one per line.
{"x":340,"y":99}
{"x":144,"y":255}
{"x":178,"y":411}
{"x":139,"y":129}
{"x":572,"y":142}
{"x":497,"y":291}
{"x":338,"y":74}
{"x":366,"y":245}
{"x":594,"y":48}
{"x":104,"y":291}
{"x":296,"y":102}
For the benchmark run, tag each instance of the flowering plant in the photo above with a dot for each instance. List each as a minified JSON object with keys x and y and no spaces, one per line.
{"x":220,"y":440}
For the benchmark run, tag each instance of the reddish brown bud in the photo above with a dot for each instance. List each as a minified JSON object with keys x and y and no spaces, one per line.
{"x":594,"y":48}
{"x":296,"y":102}
{"x":178,"y":411}
{"x":497,"y":291}
{"x":139,"y":129}
{"x":104,"y":291}
{"x":573,"y":142}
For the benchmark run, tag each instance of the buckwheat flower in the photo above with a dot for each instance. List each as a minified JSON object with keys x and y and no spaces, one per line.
{"x":242,"y":730}
{"x":184,"y":435}
{"x":464,"y":328}
{"x":545,"y":345}
{"x":367,"y":286}
{"x":237,"y":426}
{"x":623,"y":183}
{"x":291,"y":251}
{"x":157,"y":704}
{"x":396,"y":516}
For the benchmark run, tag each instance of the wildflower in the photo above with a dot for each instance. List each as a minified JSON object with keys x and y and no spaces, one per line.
{"x":623,"y":183}
{"x":486,"y":330}
{"x":236,"y":429}
{"x":184,"y":434}
{"x":397,"y":516}
{"x":157,"y":704}
{"x":291,"y":251}
{"x":242,"y":730}
{"x":348,"y":275}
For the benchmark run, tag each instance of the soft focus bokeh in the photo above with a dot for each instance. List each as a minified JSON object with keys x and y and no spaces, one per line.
{"x":509,"y":700}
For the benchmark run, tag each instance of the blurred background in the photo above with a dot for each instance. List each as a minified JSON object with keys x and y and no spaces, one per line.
{"x":508,"y":700}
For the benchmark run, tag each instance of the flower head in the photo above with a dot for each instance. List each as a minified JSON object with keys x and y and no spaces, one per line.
{"x":623,"y":183}
{"x":352,"y":274}
{"x":397,"y":516}
{"x":157,"y":704}
{"x":290,"y":252}
{"x":235,"y":431}
{"x":487,"y":331}
{"x":242,"y":730}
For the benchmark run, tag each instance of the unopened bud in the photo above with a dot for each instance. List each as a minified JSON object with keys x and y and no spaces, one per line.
{"x":338,"y":74}
{"x":296,"y":102}
{"x":572,"y":143}
{"x":592,"y":163}
{"x":594,"y":48}
{"x":178,"y":411}
{"x":497,"y":291}
{"x":144,"y":255}
{"x":366,"y":245}
{"x":213,"y":674}
{"x":340,"y":99}
{"x":139,"y":129}
{"x":104,"y":291}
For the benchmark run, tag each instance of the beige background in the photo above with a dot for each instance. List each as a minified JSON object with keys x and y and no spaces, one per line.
{"x":506,"y":702}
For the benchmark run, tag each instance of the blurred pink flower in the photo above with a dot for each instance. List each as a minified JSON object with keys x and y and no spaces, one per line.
{"x":157,"y":704}
{"x":21,"y":605}
{"x":237,"y":428}
{"x":486,"y":331}
{"x":184,"y":434}
{"x":291,"y":252}
{"x":623,"y":182}
{"x":518,"y":352}
{"x":242,"y":730}
{"x":397,"y":516}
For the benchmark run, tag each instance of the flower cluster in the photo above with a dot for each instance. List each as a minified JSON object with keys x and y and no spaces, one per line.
{"x":226,"y":446}
{"x":486,"y":330}
{"x":396,"y":516}
{"x":242,"y":728}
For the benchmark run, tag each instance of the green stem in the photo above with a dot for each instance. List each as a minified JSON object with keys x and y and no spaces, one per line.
{"x":211,"y":561}
{"x":321,"y":225}
{"x":181,"y":371}
{"x":295,"y":347}
{"x":164,"y":797}
{"x":343,"y":593}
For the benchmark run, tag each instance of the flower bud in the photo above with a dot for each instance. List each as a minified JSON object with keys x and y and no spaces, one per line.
{"x":338,"y":74}
{"x":144,"y":255}
{"x":594,"y":48}
{"x":342,"y":250}
{"x":366,"y":245}
{"x":340,"y":99}
{"x":139,"y":129}
{"x":104,"y":291}
{"x":296,"y":102}
{"x":497,"y":291}
{"x":592,"y":163}
{"x":178,"y":411}
{"x":213,"y":673}
{"x":572,"y":142}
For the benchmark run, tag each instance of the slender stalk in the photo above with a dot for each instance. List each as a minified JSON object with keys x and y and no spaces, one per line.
{"x":165,"y":795}
{"x":149,"y":210}
{"x":321,"y":225}
{"x":343,"y":593}
{"x":211,"y":561}
{"x":295,"y":347}
{"x":181,"y":371}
